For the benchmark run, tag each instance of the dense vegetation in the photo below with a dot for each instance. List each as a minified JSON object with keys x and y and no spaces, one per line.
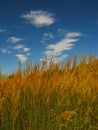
{"x":51,"y":97}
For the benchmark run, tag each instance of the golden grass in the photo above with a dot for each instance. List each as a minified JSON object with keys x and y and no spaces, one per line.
{"x":51,"y":97}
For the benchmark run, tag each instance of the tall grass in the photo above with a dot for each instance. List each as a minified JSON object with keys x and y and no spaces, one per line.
{"x":51,"y":97}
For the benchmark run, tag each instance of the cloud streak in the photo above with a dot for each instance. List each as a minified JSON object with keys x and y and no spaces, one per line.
{"x":26,"y":52}
{"x":39,"y":18}
{"x":59,"y":47}
{"x":18,"y":47}
{"x":67,"y":43}
{"x":14,"y":39}
{"x":26,"y":49}
{"x":21,"y":57}
{"x":73,"y":34}
{"x":3,"y":50}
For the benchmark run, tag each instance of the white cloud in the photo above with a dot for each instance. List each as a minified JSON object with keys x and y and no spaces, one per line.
{"x":3,"y":50}
{"x":58,"y":48}
{"x":73,"y":34}
{"x":26,"y":49}
{"x":67,"y":43}
{"x":17,"y":47}
{"x":47,"y":36}
{"x":21,"y":57}
{"x":14,"y":39}
{"x":3,"y":30}
{"x":39,"y":18}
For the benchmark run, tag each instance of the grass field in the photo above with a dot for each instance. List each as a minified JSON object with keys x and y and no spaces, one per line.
{"x":54,"y":97}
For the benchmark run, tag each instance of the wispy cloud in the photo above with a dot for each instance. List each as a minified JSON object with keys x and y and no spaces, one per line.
{"x":47,"y":36}
{"x":58,"y":48}
{"x":39,"y":18}
{"x":73,"y":34}
{"x":21,"y":47}
{"x":14,"y":39}
{"x":3,"y":50}
{"x":26,"y":49}
{"x":18,"y":47}
{"x":21,"y":57}
{"x":3,"y":30}
{"x":67,"y":43}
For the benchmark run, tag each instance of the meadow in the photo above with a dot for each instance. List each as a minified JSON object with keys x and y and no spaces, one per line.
{"x":51,"y":97}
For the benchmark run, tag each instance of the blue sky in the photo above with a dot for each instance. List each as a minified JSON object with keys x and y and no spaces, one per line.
{"x":36,"y":29}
